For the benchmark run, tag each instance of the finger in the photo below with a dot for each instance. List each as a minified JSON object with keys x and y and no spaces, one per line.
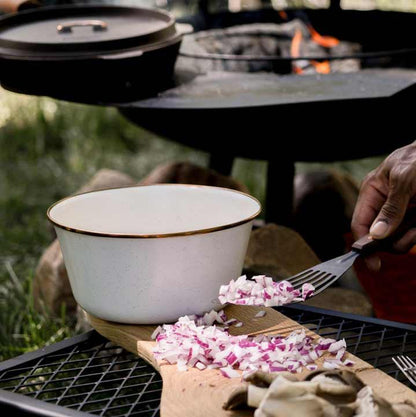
{"x":391,"y":214}
{"x":369,"y":203}
{"x":406,"y":242}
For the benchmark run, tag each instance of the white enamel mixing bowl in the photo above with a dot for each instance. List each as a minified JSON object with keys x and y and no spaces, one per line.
{"x":150,"y":254}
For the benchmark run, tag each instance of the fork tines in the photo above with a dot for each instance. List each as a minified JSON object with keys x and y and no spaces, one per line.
{"x":407,"y":366}
{"x":323,"y":275}
{"x":319,"y":279}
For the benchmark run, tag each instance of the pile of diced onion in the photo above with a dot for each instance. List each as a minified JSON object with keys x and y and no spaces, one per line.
{"x":204,"y":342}
{"x":262,"y":291}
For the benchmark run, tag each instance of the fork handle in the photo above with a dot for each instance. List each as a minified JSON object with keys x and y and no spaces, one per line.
{"x":368,"y":244}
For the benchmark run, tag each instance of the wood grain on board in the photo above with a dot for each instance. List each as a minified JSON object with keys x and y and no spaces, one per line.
{"x":197,"y":393}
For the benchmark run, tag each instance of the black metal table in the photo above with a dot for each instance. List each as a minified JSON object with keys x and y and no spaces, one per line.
{"x":283,"y":120}
{"x":286,"y":118}
{"x":87,"y":375}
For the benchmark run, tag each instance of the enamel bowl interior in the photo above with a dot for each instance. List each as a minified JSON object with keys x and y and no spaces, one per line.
{"x":156,"y":210}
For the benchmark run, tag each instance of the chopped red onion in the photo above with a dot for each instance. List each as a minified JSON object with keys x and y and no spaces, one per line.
{"x":262,"y":291}
{"x":331,"y":364}
{"x":229,"y":372}
{"x":198,"y":341}
{"x":348,"y":362}
{"x":336,"y":346}
{"x":261,"y":313}
{"x":156,"y":332}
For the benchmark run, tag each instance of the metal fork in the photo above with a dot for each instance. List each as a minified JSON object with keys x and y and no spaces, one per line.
{"x":323,"y":275}
{"x":407,"y":366}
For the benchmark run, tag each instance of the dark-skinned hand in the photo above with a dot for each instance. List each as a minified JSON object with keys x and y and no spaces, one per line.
{"x":386,"y":195}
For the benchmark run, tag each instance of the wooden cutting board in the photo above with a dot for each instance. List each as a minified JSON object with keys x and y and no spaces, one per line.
{"x":197,"y":393}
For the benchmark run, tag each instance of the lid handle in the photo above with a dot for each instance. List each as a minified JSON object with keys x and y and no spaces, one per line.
{"x":95,"y":24}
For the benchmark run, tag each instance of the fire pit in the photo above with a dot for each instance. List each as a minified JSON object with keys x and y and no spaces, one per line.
{"x":286,"y":115}
{"x":292,"y":75}
{"x":269,"y":47}
{"x":282,"y":106}
{"x":373,"y":38}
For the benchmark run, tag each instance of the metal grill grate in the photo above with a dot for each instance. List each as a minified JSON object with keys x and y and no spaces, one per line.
{"x":374,"y":341}
{"x":91,"y":376}
{"x":87,"y":374}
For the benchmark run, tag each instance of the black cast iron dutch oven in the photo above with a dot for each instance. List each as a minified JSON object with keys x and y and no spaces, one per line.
{"x":93,"y":54}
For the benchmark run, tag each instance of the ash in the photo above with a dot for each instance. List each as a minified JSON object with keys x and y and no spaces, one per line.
{"x":257,"y":40}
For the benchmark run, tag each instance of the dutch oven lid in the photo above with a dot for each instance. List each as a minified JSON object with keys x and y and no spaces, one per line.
{"x":83,"y":29}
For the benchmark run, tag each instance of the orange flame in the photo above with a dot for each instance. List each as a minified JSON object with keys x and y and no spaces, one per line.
{"x":283,"y":14}
{"x":325,"y":41}
{"x":323,"y":67}
{"x":295,"y":50}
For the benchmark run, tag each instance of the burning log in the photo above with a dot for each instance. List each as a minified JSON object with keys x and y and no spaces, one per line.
{"x":290,"y":47}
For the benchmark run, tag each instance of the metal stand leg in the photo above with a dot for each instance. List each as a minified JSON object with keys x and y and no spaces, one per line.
{"x":279,"y":189}
{"x":279,"y":192}
{"x":223,"y":164}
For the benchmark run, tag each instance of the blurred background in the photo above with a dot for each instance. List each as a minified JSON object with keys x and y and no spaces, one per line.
{"x":50,"y":148}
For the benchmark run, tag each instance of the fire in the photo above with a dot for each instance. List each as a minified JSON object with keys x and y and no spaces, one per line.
{"x":283,"y":15}
{"x":325,"y":41}
{"x":295,"y":50}
{"x":321,"y":67}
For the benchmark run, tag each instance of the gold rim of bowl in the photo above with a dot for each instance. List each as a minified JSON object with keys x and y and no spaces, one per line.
{"x":154,"y":236}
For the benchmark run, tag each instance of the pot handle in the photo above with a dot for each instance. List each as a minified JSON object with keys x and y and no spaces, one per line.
{"x":95,"y":24}
{"x":12,"y":6}
{"x":184,"y":28}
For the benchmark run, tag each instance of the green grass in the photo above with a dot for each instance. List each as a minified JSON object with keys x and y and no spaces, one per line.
{"x":49,"y":149}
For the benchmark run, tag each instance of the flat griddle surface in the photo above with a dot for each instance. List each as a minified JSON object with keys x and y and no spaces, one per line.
{"x":222,"y":90}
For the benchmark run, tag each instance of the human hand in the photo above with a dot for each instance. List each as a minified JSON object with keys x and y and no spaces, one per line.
{"x":385,"y":196}
{"x":12,"y":6}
